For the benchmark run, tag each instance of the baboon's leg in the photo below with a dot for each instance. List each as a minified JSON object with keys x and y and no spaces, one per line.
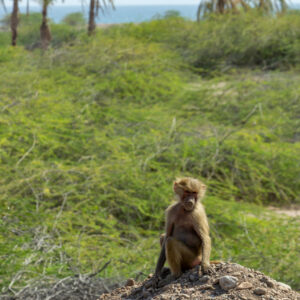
{"x":179,"y":256}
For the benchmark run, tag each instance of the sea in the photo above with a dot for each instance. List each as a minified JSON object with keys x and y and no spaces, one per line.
{"x":122,"y":14}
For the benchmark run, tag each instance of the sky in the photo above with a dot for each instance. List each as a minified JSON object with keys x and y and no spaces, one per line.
{"x":129,"y":2}
{"x":126,"y":2}
{"x":156,"y":2}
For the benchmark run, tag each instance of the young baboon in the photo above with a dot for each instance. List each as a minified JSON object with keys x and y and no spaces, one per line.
{"x":186,"y":242}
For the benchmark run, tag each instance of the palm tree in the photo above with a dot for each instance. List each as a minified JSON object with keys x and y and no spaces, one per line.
{"x":14,"y":20}
{"x":95,"y":6}
{"x":207,"y":7}
{"x":44,"y":29}
{"x":27,"y":8}
{"x":3,"y":5}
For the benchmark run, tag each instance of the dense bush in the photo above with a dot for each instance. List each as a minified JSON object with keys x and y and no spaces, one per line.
{"x":74,"y":19}
{"x":222,"y":42}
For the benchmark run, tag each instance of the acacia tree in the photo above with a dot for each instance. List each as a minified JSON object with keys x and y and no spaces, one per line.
{"x":44,"y":29}
{"x":14,"y":20}
{"x":95,"y":6}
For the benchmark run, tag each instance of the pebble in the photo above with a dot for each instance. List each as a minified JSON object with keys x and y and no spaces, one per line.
{"x":228,"y":282}
{"x":283,"y":286}
{"x":270,"y":283}
{"x":206,"y":287}
{"x":192,"y":278}
{"x":146,"y":294}
{"x":184,"y":296}
{"x":260,"y":291}
{"x":245,"y":285}
{"x":251,"y":275}
{"x":204,"y":279}
{"x":130,"y":282}
{"x":236,"y":274}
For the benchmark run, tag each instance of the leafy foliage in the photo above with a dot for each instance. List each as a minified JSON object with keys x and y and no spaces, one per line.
{"x":74,"y":19}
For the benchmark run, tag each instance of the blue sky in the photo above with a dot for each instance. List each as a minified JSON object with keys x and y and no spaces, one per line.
{"x":126,"y":2}
{"x":145,"y":2}
{"x":142,"y":2}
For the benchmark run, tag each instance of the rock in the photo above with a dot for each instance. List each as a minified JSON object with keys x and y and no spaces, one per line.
{"x":206,"y":287}
{"x":228,"y":282}
{"x":130,"y":282}
{"x":250,"y":275}
{"x":245,"y":285}
{"x":192,"y":278}
{"x":236,"y":274}
{"x":184,"y":296}
{"x":260,"y":291}
{"x":270,"y":284}
{"x":284,"y":287}
{"x":204,"y":279}
{"x":146,"y":294}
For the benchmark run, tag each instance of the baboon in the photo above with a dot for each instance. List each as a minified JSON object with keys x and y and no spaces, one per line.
{"x":186,"y":242}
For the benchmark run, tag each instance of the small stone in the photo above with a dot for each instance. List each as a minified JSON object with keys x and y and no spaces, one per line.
{"x":204,"y":279}
{"x":229,"y":270}
{"x":245,"y":285}
{"x":184,"y":296}
{"x":251,"y":275}
{"x":206,"y":287}
{"x":130,"y":282}
{"x":166,"y":288}
{"x":192,"y":278}
{"x":228,"y":282}
{"x":283,"y":286}
{"x":148,"y":284}
{"x":270,"y":283}
{"x":236,"y":274}
{"x":260,"y":291}
{"x":150,"y":275}
{"x":146,"y":294}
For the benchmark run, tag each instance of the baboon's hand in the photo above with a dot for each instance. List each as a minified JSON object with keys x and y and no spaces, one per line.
{"x":206,"y":268}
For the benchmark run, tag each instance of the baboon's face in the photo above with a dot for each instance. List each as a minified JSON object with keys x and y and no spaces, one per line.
{"x":189,"y":200}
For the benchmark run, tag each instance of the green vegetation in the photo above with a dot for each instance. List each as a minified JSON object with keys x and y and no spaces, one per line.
{"x":74,"y":19}
{"x":94,"y":132}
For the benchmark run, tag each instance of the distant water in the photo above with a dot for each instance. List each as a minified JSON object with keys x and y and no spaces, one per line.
{"x":122,"y":14}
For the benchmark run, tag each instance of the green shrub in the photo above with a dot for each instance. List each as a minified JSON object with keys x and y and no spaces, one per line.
{"x":74,"y":19}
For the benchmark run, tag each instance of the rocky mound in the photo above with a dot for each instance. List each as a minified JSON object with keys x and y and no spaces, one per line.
{"x":227,"y":281}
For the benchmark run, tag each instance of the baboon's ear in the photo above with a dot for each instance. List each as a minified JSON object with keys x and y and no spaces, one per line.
{"x":175,"y":185}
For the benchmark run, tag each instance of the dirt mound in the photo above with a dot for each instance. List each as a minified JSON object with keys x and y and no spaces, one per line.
{"x":227,"y":281}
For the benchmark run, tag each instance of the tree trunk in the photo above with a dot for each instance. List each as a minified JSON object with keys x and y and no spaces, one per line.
{"x":44,"y":29}
{"x":4,"y":6}
{"x":27,"y":8}
{"x":92,"y":24}
{"x":14,"y":23}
